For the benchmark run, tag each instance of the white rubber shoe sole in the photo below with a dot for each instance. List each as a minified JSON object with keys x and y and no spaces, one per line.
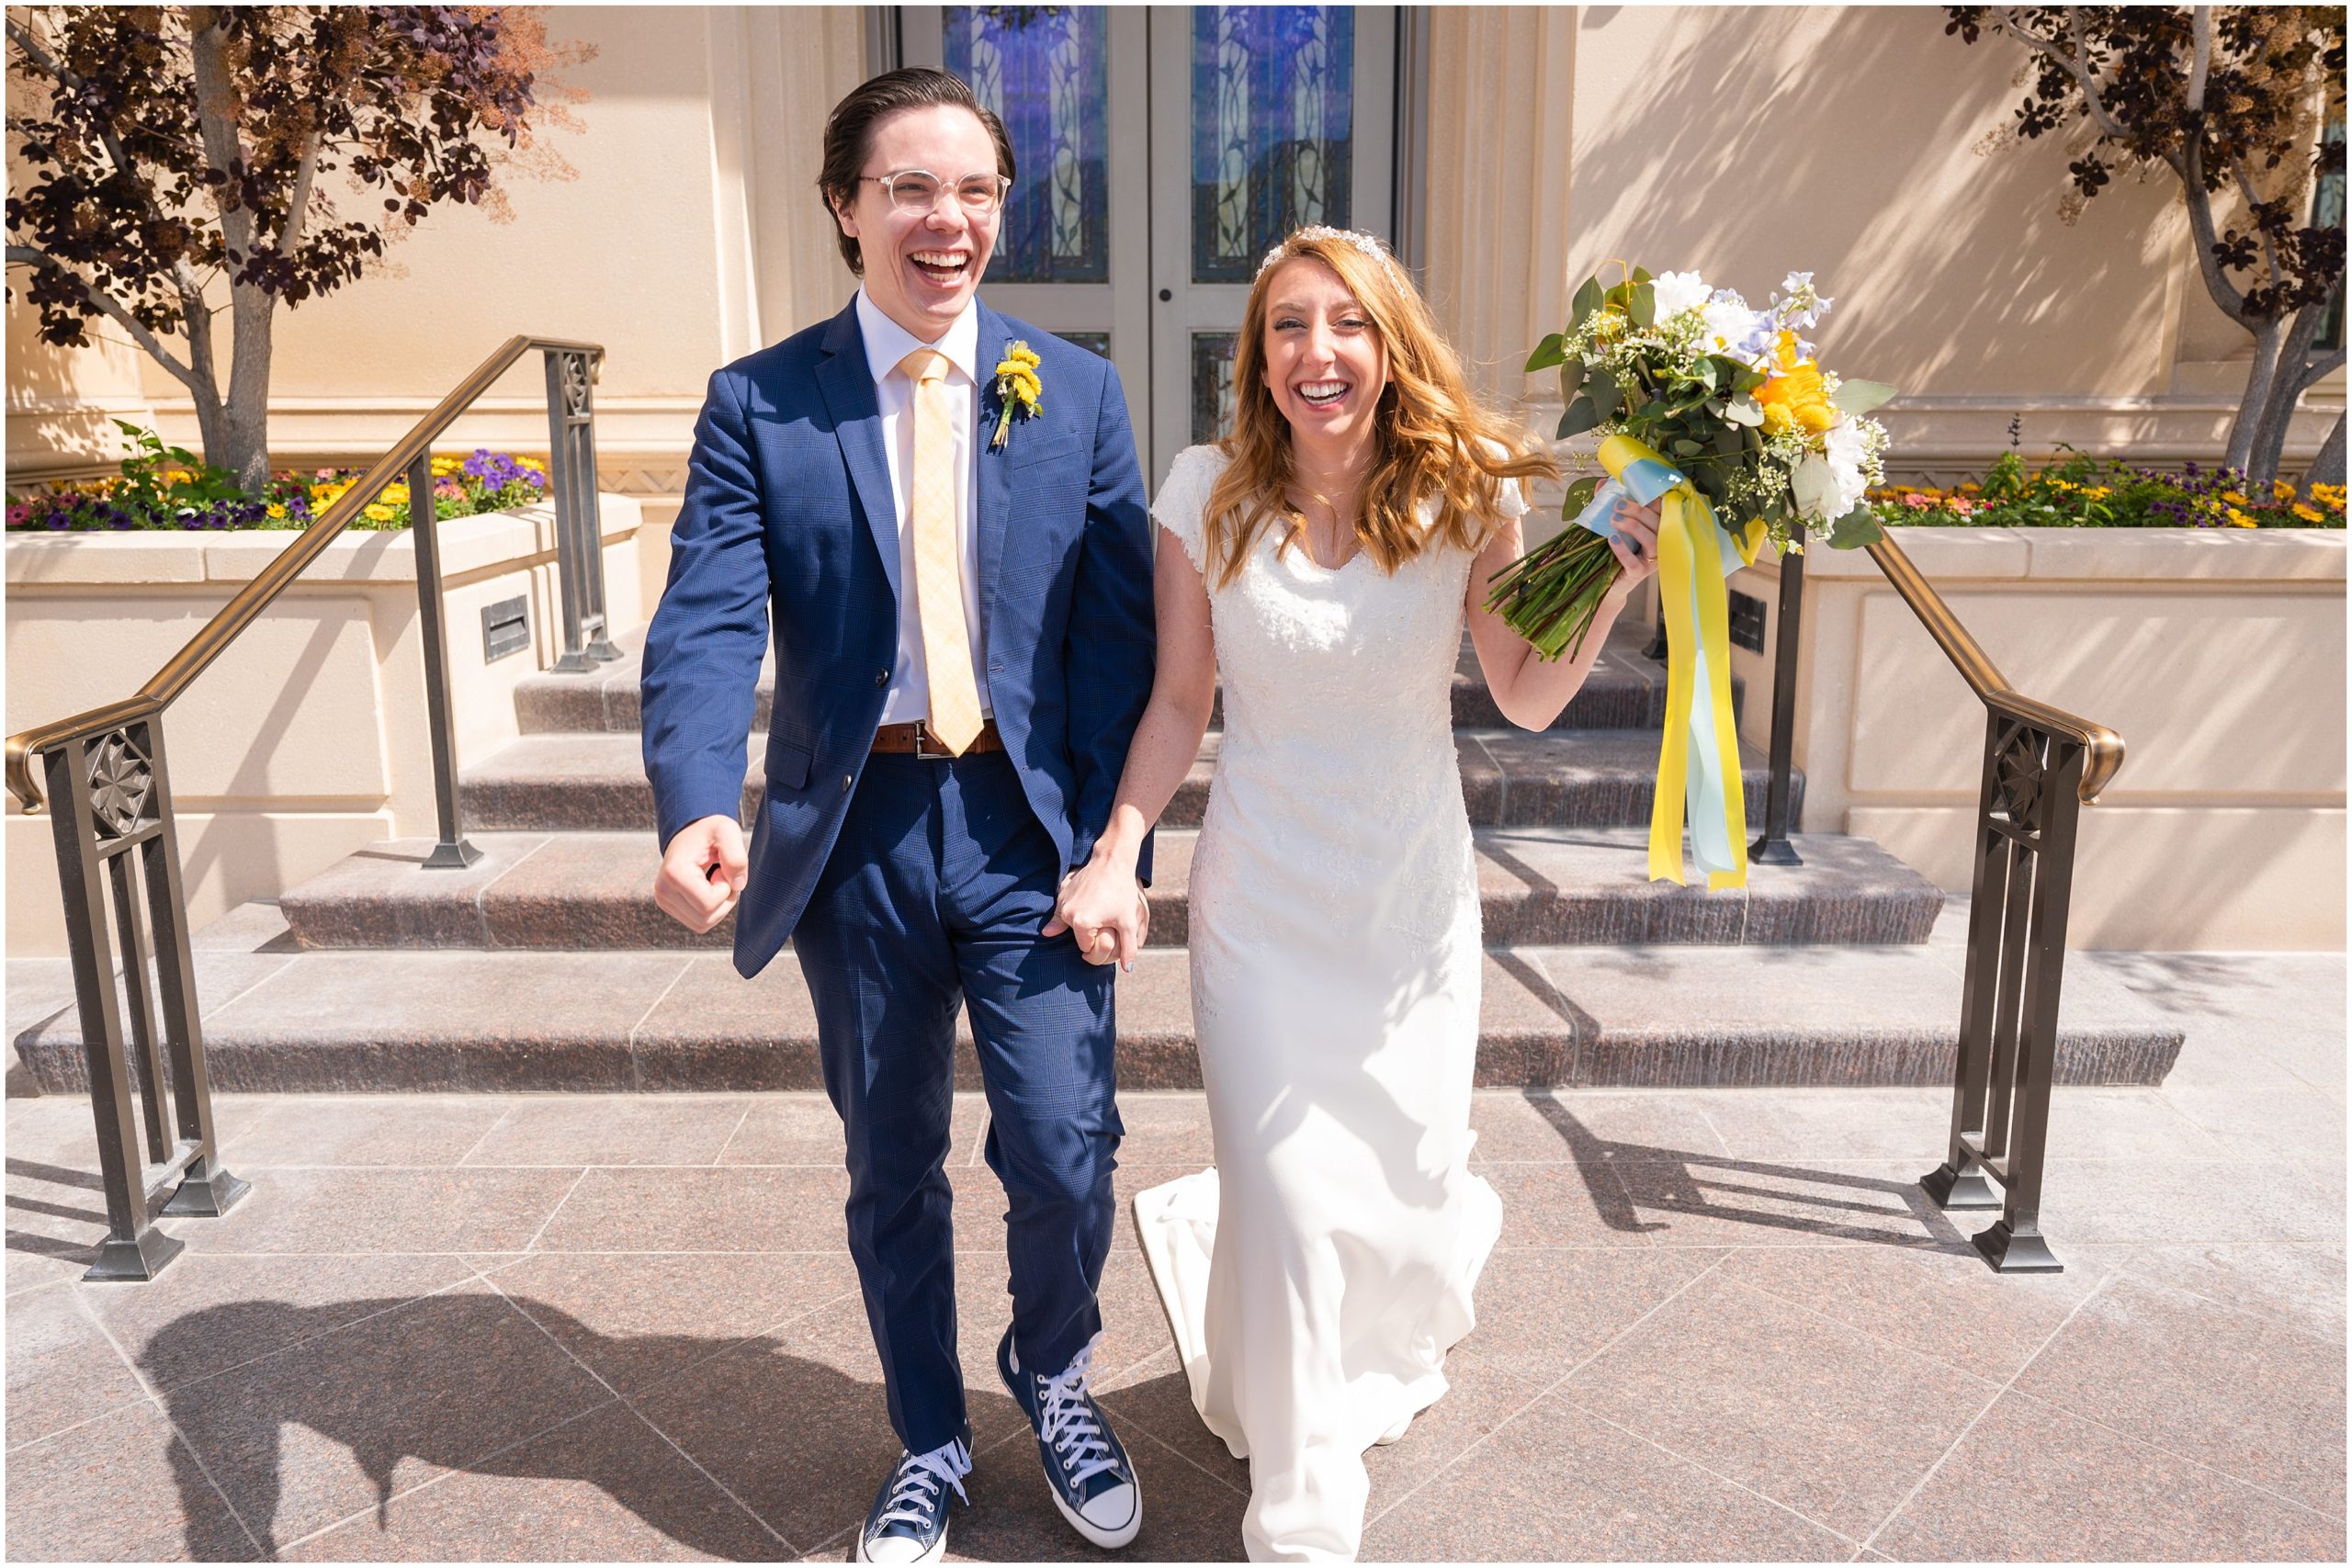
{"x":1109,"y":1541}
{"x":938,"y":1550}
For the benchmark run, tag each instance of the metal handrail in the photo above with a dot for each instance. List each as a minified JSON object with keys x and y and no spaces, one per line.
{"x":2103,"y":746}
{"x":117,"y":837}
{"x":256,"y":596}
{"x":2041,"y":764}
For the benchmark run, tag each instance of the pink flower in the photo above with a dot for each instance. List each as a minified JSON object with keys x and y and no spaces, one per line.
{"x":1960,"y":505}
{"x":1915,"y":503}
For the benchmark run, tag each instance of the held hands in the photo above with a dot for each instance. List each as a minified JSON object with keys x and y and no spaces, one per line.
{"x":702,"y":873}
{"x":1636,"y":548}
{"x":1104,"y":910}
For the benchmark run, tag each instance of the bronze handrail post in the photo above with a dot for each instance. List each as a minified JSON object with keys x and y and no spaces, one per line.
{"x":111,"y":790}
{"x":2042,"y":765}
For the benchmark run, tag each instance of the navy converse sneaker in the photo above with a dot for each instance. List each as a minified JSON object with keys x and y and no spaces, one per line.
{"x":1086,"y":1470}
{"x":909,"y":1520}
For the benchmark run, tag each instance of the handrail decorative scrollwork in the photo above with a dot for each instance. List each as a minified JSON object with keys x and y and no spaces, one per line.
{"x":2041,"y":764}
{"x":117,"y":847}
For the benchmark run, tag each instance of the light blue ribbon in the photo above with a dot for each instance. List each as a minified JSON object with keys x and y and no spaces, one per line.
{"x":1642,"y":481}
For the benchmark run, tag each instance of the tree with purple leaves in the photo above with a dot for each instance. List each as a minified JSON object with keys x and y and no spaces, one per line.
{"x":2233,"y":100}
{"x":178,"y":154}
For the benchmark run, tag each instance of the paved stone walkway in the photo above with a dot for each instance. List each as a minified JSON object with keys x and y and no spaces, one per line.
{"x":1724,"y":1325}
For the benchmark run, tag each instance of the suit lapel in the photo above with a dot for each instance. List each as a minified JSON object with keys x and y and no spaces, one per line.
{"x":847,"y":384}
{"x":991,"y":469}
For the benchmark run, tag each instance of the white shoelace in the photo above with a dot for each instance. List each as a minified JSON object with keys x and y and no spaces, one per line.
{"x":1068,"y":1422}
{"x":918,"y":1484}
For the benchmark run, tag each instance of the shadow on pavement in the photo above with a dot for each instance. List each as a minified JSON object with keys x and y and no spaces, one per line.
{"x":1628,"y":1180}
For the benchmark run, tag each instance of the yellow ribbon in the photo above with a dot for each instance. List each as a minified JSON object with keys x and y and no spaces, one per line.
{"x":1698,"y":767}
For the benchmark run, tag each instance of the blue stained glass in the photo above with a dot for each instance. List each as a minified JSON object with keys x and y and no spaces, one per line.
{"x":1045,"y":70}
{"x":1273,"y":91}
{"x":1213,"y":399}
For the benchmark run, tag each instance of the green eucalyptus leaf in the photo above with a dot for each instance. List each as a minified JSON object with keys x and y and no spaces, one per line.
{"x":1587,"y":300}
{"x":1683,"y":447}
{"x":1861,"y":397}
{"x":1641,"y":274}
{"x":1643,"y":306}
{"x":1552,"y":351}
{"x":1729,"y":441}
{"x":1571,"y":379}
{"x":1579,"y":495}
{"x":1601,"y":388}
{"x":1580,"y":417}
{"x":1705,"y":374}
{"x":1856,"y":529}
{"x":1745,"y":410}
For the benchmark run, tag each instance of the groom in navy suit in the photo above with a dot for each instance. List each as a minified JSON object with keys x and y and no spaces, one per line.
{"x":963,"y":637}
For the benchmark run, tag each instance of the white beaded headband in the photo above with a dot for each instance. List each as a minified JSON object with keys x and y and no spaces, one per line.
{"x":1365,"y":243}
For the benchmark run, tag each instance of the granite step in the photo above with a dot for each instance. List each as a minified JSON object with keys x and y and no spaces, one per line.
{"x":1545,"y":886}
{"x":1619,"y":1016}
{"x":1624,"y":690}
{"x":1510,"y":778}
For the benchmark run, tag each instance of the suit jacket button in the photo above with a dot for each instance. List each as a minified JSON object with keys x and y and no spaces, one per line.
{"x":882,"y":677}
{"x":847,"y":780}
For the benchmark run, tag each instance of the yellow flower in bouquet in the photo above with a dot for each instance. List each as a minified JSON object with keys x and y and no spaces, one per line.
{"x":1795,"y":398}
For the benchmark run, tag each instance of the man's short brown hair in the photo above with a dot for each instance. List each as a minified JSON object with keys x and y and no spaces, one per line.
{"x":849,"y":135}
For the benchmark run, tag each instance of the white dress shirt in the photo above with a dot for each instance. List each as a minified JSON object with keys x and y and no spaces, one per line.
{"x":886,"y":343}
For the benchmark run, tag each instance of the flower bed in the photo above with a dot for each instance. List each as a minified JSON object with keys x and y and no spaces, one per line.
{"x":166,"y":487}
{"x":2081,"y":491}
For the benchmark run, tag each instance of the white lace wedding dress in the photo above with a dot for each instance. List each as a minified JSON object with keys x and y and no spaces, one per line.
{"x":1317,"y":1275}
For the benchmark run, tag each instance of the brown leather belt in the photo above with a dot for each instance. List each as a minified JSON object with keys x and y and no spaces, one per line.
{"x":915,"y":740}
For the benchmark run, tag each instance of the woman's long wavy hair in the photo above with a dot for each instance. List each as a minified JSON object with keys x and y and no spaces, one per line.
{"x":1432,"y":437}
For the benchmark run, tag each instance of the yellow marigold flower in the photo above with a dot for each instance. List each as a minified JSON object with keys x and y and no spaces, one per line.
{"x":380,"y":514}
{"x":2096,"y":491}
{"x":2281,"y":491}
{"x":1971,"y":486}
{"x":2239,"y":519}
{"x":277,"y":510}
{"x":2309,"y":512}
{"x":2234,"y":499}
{"x":395,"y":494}
{"x":1796,"y":399}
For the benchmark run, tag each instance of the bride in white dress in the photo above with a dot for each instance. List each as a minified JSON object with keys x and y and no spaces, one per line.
{"x":1325,"y":558}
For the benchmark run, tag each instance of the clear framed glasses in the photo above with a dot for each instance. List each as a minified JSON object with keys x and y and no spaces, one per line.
{"x":917,"y":190}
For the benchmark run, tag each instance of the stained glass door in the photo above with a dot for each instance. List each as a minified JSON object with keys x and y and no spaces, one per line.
{"x":1161,"y":152}
{"x":1263,"y":117}
{"x":1069,"y":83}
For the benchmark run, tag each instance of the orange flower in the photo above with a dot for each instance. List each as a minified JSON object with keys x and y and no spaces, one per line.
{"x":1796,"y":398}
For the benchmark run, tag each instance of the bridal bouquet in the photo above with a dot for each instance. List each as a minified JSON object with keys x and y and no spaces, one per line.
{"x":1711,"y":394}
{"x":1710,"y":408}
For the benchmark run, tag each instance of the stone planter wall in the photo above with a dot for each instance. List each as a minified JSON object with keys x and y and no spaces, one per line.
{"x":306,"y":740}
{"x":2219,"y":656}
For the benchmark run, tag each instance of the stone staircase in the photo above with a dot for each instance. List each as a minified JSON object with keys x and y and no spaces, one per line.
{"x":547,"y":965}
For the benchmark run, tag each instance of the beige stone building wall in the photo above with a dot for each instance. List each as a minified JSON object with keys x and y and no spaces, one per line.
{"x":1741,"y":140}
{"x":1747,"y":142}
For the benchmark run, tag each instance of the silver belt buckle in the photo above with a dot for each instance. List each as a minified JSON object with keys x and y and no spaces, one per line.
{"x":922,"y":737}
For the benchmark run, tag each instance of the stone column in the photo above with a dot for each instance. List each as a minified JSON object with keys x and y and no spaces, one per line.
{"x":1500,"y":95}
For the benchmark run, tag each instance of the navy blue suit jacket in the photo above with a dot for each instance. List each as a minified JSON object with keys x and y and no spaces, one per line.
{"x":788,"y":519}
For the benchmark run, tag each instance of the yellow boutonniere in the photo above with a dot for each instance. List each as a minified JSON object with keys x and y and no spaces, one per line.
{"x":1018,"y":390}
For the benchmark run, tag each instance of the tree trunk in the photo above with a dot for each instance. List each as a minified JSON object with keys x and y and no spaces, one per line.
{"x":2327,"y":467}
{"x":247,"y":409}
{"x":2286,"y":392}
{"x":244,"y":450}
{"x":2259,"y":379}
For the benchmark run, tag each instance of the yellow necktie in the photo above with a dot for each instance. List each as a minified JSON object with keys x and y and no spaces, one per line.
{"x":939,"y":558}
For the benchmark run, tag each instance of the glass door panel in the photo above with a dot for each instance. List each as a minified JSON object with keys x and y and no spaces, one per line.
{"x":1264,"y":118}
{"x":1069,"y":83}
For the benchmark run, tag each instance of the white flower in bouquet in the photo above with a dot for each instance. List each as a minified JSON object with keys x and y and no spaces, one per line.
{"x":1676,"y":292}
